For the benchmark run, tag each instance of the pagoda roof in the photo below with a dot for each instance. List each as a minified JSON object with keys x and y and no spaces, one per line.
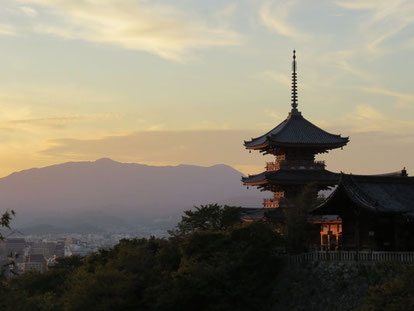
{"x":297,"y":131}
{"x":291,"y":177}
{"x":379,"y":194}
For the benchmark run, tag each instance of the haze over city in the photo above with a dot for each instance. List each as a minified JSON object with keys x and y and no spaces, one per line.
{"x":172,"y":82}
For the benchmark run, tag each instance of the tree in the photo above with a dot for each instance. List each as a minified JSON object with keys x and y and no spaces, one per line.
{"x":208,"y":269}
{"x":208,"y":217}
{"x":226,"y":270}
{"x":5,"y":220}
{"x":395,"y":295}
{"x":215,"y":263}
{"x":131,"y":276}
{"x":297,"y":229}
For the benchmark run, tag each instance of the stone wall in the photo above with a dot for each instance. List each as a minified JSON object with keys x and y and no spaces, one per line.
{"x":328,"y":286}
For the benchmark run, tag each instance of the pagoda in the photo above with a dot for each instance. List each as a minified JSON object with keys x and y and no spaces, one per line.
{"x":294,"y":143}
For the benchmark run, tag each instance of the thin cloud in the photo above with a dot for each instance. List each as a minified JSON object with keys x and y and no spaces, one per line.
{"x":136,"y":25}
{"x":365,"y":118}
{"x":273,"y":114}
{"x":403,"y":100}
{"x":281,"y":78}
{"x":275,"y":17}
{"x":345,"y":65}
{"x":7,"y":30}
{"x":53,"y":122}
{"x":362,"y":4}
{"x":384,"y":20}
{"x":28,"y":11}
{"x":366,"y":151}
{"x":154,"y":147}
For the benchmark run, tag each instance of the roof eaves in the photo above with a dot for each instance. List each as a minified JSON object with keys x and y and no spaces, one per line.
{"x":357,"y":195}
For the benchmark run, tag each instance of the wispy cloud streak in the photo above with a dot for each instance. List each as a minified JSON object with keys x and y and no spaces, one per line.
{"x":404,"y":100}
{"x":137,"y":25}
{"x":7,"y":30}
{"x":275,"y":16}
{"x":384,"y":20}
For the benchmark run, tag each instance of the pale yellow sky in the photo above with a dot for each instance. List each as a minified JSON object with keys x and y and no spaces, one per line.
{"x":170,"y":82}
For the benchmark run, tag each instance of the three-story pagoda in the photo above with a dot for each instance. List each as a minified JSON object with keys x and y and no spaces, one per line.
{"x":294,"y":143}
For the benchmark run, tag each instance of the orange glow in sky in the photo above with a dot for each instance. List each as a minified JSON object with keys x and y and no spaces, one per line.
{"x":171,"y":82}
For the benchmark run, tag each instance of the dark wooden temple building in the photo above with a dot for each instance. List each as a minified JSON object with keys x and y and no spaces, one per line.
{"x":373,"y":212}
{"x":365,"y":212}
{"x":294,"y":143}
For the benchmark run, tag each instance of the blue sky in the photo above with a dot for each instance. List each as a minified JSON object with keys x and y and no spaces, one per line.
{"x":85,"y":79}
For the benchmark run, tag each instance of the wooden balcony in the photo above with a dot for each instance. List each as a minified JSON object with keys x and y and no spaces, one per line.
{"x":272,"y":166}
{"x":270,"y":203}
{"x":278,"y":195}
{"x":295,"y":165}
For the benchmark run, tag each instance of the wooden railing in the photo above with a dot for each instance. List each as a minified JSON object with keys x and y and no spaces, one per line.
{"x":289,"y":164}
{"x":270,"y":203}
{"x":407,"y":257}
{"x":272,"y":166}
{"x":316,"y":165}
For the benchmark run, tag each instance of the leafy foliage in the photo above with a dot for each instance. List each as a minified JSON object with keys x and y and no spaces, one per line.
{"x":395,"y":295}
{"x":211,"y":262}
{"x":5,"y":220}
{"x":297,"y":229}
{"x":209,"y":217}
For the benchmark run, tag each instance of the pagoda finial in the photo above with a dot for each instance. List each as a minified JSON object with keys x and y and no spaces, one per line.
{"x":294,"y":84}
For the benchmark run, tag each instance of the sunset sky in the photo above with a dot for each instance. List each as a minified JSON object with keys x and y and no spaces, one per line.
{"x":179,"y":81}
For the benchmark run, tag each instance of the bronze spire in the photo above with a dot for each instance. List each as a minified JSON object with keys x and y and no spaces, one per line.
{"x":294,"y":85}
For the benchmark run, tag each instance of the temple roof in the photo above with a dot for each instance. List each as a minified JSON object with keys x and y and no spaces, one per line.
{"x":289,"y":177}
{"x":379,"y":194}
{"x":297,"y":131}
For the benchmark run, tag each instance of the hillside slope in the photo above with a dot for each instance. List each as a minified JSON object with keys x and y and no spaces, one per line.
{"x":110,"y":193}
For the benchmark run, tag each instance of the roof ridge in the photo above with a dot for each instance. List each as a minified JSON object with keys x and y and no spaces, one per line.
{"x":352,"y":187}
{"x":384,"y":178}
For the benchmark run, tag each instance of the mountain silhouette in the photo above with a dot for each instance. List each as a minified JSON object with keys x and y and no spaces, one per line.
{"x":107,"y":194}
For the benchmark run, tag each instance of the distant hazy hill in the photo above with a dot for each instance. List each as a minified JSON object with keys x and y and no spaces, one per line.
{"x":109,"y":194}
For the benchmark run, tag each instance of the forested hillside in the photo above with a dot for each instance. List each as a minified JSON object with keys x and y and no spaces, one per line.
{"x":211,"y":261}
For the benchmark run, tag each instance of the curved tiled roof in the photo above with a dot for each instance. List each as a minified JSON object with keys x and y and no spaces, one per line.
{"x":296,"y":130}
{"x":381,"y":194}
{"x":292,"y":177}
{"x":255,"y":178}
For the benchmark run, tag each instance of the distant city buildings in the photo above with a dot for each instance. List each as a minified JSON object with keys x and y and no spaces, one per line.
{"x":39,"y":252}
{"x":35,"y":262}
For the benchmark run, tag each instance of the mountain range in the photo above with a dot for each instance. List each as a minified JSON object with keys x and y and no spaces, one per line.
{"x":106,"y":195}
